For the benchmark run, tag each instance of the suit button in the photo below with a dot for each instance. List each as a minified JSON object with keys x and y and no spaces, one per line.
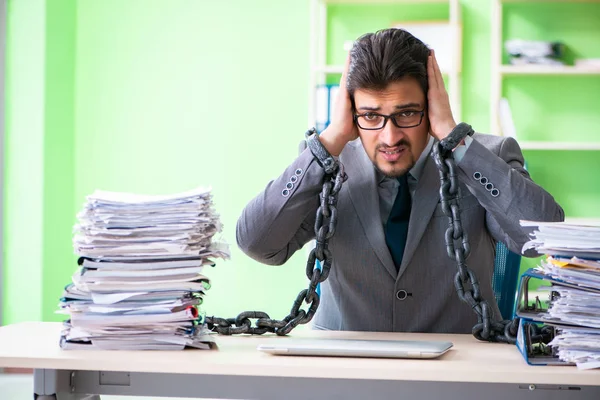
{"x":401,"y":294}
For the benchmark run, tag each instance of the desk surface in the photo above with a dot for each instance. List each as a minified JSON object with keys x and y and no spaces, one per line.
{"x":35,"y":345}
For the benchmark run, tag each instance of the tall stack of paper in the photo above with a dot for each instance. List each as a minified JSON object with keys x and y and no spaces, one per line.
{"x":573,"y":266}
{"x":140,"y":279}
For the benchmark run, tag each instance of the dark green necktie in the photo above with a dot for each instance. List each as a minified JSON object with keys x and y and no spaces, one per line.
{"x":396,"y":228}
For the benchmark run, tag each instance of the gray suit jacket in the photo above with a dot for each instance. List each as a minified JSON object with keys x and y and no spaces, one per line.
{"x":361,"y":291}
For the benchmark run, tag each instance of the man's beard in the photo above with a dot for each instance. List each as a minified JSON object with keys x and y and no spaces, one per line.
{"x":396,"y":173}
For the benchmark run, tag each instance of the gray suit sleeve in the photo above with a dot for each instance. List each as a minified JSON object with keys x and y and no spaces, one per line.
{"x":274,"y":225}
{"x":519,"y":197}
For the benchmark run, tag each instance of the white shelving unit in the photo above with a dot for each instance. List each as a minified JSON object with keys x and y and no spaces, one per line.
{"x":549,"y":1}
{"x":547,"y":70}
{"x":499,"y":71}
{"x":560,"y":146}
{"x":318,"y":48}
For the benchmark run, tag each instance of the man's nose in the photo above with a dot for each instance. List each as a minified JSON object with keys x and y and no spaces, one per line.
{"x":390,"y":134}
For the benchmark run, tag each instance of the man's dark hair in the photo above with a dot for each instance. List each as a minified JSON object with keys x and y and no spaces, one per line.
{"x":380,"y":58}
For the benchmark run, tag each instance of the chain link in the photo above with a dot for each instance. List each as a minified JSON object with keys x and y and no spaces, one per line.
{"x":325,"y":223}
{"x":458,"y":249}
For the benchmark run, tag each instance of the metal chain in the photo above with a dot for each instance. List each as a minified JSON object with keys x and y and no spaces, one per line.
{"x":537,"y":338}
{"x":325,"y":223}
{"x":457,"y":246}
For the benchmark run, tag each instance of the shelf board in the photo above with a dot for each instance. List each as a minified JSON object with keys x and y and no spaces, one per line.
{"x":547,"y":70}
{"x":330,"y":69}
{"x":384,"y":1}
{"x":549,"y":1}
{"x":582,"y":146}
{"x":505,"y":70}
{"x":338,"y":69}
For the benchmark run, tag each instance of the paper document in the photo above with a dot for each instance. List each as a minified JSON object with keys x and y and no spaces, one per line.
{"x":141,"y":274}
{"x":572,"y":266}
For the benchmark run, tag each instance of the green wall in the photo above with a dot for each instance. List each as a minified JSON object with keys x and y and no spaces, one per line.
{"x":187,"y":94}
{"x":160,"y":99}
{"x":159,"y":96}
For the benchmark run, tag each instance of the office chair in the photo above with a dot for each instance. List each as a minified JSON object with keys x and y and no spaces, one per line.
{"x":504,"y":280}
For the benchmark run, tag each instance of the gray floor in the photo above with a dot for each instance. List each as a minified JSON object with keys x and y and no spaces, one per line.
{"x":20,"y":387}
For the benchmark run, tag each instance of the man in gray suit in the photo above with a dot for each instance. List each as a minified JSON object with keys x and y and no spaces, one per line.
{"x":392,"y":106}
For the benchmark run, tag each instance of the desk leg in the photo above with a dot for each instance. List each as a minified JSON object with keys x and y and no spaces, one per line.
{"x":50,"y":384}
{"x":44,"y":384}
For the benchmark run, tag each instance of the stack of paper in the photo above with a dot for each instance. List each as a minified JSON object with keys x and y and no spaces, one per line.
{"x":573,"y":261}
{"x":140,"y":278}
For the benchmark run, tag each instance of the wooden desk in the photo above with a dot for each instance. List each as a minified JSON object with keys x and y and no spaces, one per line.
{"x":471,"y":370}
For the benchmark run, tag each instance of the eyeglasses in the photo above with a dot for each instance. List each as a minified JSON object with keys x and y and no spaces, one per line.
{"x":372,"y":121}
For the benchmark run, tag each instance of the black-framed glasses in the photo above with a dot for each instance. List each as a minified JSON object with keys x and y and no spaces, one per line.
{"x":372,"y":121}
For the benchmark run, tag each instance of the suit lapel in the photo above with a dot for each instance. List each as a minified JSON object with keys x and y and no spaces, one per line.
{"x":427,"y":193}
{"x":364,"y":194}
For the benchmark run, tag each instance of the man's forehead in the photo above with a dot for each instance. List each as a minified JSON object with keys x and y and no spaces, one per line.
{"x":395,"y":99}
{"x":405,"y":90}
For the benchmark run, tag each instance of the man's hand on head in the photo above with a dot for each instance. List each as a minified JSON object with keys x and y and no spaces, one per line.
{"x":440,"y":115}
{"x":342,"y":129}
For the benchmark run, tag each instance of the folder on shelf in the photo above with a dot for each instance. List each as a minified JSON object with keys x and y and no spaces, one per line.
{"x":325,"y":100}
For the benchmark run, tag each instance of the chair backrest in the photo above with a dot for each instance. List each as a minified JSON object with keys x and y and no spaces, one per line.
{"x":504,"y":281}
